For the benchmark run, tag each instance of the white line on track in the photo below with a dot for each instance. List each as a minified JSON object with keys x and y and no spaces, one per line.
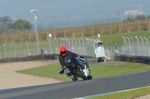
{"x":104,"y":94}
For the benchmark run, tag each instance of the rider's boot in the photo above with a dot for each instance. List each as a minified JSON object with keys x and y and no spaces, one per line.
{"x":61,"y":71}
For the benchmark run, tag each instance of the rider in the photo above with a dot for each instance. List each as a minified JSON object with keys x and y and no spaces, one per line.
{"x":63,"y":53}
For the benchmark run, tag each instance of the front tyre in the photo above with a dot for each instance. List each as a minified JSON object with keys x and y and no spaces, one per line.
{"x":89,"y":77}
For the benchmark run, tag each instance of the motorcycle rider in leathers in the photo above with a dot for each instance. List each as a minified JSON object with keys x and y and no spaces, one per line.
{"x":63,"y":53}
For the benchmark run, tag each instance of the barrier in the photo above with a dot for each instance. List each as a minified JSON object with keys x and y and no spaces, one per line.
{"x":30,"y":58}
{"x":138,"y":59}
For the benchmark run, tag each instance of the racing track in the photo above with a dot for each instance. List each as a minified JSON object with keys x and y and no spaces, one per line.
{"x":69,"y":90}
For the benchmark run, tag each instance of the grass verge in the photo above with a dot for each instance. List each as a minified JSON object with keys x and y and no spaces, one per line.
{"x":126,"y":95}
{"x":97,"y":70}
{"x":117,"y":38}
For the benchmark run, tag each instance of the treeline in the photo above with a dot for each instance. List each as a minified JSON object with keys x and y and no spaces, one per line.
{"x":138,"y":17}
{"x":7,"y":25}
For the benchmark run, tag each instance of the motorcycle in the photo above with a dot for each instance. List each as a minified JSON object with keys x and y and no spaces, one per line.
{"x":74,"y":70}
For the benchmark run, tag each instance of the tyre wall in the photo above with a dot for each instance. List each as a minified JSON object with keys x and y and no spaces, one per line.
{"x":30,"y":58}
{"x":139,"y":59}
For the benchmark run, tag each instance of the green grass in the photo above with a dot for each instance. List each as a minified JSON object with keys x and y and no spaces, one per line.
{"x":98,"y":70}
{"x":117,"y":38}
{"x":126,"y":95}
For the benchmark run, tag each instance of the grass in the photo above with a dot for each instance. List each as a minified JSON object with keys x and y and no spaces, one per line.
{"x":126,"y":95}
{"x":117,"y":38}
{"x":98,"y":70}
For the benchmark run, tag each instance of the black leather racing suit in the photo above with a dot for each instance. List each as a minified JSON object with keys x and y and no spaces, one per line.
{"x":62,"y":59}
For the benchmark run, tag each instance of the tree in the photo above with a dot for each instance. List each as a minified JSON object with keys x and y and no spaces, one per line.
{"x":130,"y":18}
{"x":21,"y":24}
{"x":6,"y":20}
{"x":148,"y":17}
{"x":8,"y":26}
{"x":5,"y":23}
{"x":140,"y":17}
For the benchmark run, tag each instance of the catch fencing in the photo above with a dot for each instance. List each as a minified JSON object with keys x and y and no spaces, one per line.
{"x":133,"y":46}
{"x":136,"y":46}
{"x":80,"y":46}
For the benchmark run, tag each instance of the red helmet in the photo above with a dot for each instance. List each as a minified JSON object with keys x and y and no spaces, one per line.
{"x":63,"y":51}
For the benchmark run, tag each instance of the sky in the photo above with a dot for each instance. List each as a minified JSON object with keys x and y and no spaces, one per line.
{"x":59,"y":12}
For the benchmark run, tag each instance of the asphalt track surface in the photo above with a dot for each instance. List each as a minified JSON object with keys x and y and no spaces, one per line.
{"x":70,"y":90}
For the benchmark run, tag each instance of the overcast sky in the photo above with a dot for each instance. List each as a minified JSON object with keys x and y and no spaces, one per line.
{"x":68,"y":10}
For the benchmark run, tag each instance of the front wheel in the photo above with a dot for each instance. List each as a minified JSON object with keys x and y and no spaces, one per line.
{"x":89,"y":77}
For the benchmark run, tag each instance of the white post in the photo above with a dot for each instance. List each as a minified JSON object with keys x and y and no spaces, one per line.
{"x":50,"y":43}
{"x":99,"y":36}
{"x":147,"y":49}
{"x":79,"y":46}
{"x":128,"y":45}
{"x":72,"y":47}
{"x":133,"y":46}
{"x":83,"y":46}
{"x":27,"y":47}
{"x":63,"y":41}
{"x":36,"y":32}
{"x":142,"y":47}
{"x":68,"y":43}
{"x":75,"y":45}
{"x":15,"y":49}
{"x":4,"y":50}
{"x":57,"y":45}
{"x":60,"y":43}
{"x":124,"y":41}
{"x":138,"y":53}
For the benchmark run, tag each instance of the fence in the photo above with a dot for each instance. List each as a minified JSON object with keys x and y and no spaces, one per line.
{"x":80,"y":46}
{"x":135,"y":49}
{"x":133,"y":46}
{"x":73,"y":32}
{"x":136,"y":46}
